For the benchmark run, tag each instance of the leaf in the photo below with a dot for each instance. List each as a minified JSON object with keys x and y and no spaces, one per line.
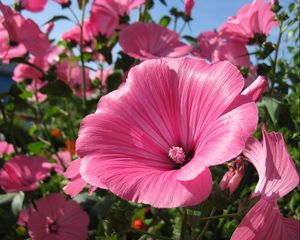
{"x":36,"y":147}
{"x":57,"y":18}
{"x":113,"y":81}
{"x":4,"y":198}
{"x":164,"y":21}
{"x":272,"y":105}
{"x":163,"y":2}
{"x":17,"y":203}
{"x":56,"y":88}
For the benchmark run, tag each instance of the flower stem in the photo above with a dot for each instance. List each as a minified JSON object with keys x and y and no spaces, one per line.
{"x":276,"y":53}
{"x":206,"y":224}
{"x":81,"y":54}
{"x":231,"y":215}
{"x":183,"y":225}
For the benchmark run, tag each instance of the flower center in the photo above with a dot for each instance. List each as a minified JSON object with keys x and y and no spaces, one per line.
{"x":53,"y":228}
{"x":177,"y":154}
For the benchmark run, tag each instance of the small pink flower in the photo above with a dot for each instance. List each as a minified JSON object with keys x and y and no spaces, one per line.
{"x":105,"y":14}
{"x":233,"y":176}
{"x":57,"y":218}
{"x":184,"y":105}
{"x":76,"y":183}
{"x":149,"y":40}
{"x":251,"y":20}
{"x":22,"y":173}
{"x":256,"y":89}
{"x":207,"y":42}
{"x":63,"y":2}
{"x":64,"y":160}
{"x":22,"y":32}
{"x":102,"y":75}
{"x":189,"y":4}
{"x":6,"y":148}
{"x":33,"y":5}
{"x":277,"y":177}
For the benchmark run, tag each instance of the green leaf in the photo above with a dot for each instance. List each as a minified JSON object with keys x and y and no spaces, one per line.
{"x":164,"y":21}
{"x":17,"y":203}
{"x":36,"y":147}
{"x":113,"y":81}
{"x":272,"y":105}
{"x":57,"y":18}
{"x":57,"y":88}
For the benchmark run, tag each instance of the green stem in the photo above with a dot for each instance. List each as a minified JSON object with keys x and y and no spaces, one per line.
{"x":276,"y":54}
{"x":81,"y":53}
{"x":231,"y":215}
{"x":206,"y":224}
{"x":183,"y":225}
{"x":149,"y":234}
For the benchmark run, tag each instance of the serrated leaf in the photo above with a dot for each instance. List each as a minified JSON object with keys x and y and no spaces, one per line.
{"x":17,"y":203}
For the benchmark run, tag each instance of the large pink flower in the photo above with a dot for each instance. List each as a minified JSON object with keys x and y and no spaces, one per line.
{"x":277,"y":177}
{"x":57,"y":218}
{"x":153,"y":139}
{"x":22,"y":173}
{"x":105,"y":14}
{"x":149,"y":40}
{"x":251,"y":20}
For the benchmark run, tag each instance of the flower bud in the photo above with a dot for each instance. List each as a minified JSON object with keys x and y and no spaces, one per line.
{"x":233,"y":176}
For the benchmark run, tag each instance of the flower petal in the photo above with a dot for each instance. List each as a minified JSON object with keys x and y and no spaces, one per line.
{"x":276,"y":170}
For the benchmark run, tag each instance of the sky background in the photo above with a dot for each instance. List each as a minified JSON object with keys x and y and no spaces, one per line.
{"x":207,"y":15}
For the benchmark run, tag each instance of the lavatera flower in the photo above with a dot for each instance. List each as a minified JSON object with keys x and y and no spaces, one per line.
{"x":277,"y":177}
{"x":153,"y":140}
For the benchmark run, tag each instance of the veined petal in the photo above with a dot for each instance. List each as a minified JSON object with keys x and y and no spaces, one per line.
{"x":277,"y":172}
{"x":264,"y":221}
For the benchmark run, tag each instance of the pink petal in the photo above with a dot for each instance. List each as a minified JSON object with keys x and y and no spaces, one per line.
{"x":34,"y":40}
{"x":34,"y":5}
{"x":264,"y":221}
{"x":256,"y":89}
{"x":277,"y":173}
{"x":148,"y":40}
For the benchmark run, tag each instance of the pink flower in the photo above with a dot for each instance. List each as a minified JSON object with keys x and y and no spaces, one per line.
{"x":57,"y":218}
{"x":233,"y":176}
{"x":251,"y":20}
{"x":63,"y":2}
{"x":105,"y":14}
{"x":149,"y":40}
{"x":64,"y":160}
{"x":102,"y":75}
{"x":166,"y":106}
{"x":74,"y":33}
{"x":256,"y":89}
{"x":22,"y":173}
{"x":277,"y":177}
{"x":232,"y":51}
{"x":23,"y":32}
{"x":76,"y":183}
{"x":189,"y":4}
{"x":207,"y":42}
{"x":34,"y":5}
{"x":6,"y":148}
{"x":215,"y":48}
